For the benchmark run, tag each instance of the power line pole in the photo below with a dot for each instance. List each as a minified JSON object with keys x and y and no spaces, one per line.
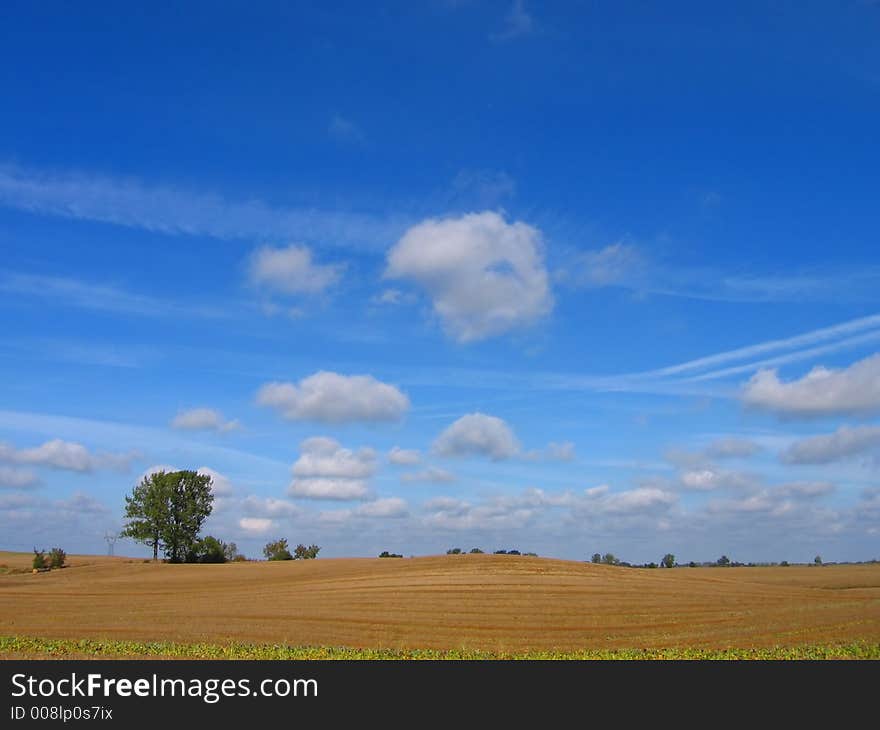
{"x":111,"y":539}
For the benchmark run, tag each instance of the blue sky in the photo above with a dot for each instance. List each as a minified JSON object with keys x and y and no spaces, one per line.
{"x":566,"y":277}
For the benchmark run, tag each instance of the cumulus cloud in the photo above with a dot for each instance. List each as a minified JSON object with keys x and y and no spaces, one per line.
{"x":220,"y":484}
{"x":477,"y":434}
{"x":329,"y":397}
{"x":632,"y":501}
{"x":388,"y":507}
{"x":290,"y":270}
{"x":256,"y":525}
{"x":269,"y":507}
{"x":711,"y":477}
{"x":805,"y":490}
{"x":844,"y":443}
{"x":404,"y":457}
{"x":326,"y":470}
{"x":821,"y":392}
{"x":65,"y":455}
{"x":203,"y":419}
{"x":485,"y":276}
{"x":431,"y":475}
{"x":12,"y":478}
{"x":731,"y":448}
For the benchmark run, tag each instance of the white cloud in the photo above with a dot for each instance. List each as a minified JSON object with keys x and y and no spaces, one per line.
{"x":731,"y":448}
{"x":269,"y":507}
{"x":12,"y":478}
{"x":326,"y":470}
{"x":485,"y":276}
{"x":563,"y":451}
{"x":431,"y":475}
{"x":256,"y":525}
{"x":633,"y":501}
{"x":404,"y":457}
{"x":65,"y":455}
{"x":203,"y":419}
{"x":805,"y":490}
{"x":175,"y":211}
{"x":614,"y":264}
{"x":821,"y":392}
{"x":710,"y":477}
{"x":82,"y":503}
{"x":290,"y":270}
{"x":220,"y":484}
{"x":845,"y":442}
{"x":388,"y":507}
{"x":329,"y":397}
{"x":478,"y":434}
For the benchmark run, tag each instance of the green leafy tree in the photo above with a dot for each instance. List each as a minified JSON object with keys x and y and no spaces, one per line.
{"x":230,"y":552}
{"x":596,"y":558}
{"x":817,"y":560}
{"x":167,"y":510}
{"x":476,"y":551}
{"x":668,"y":561}
{"x":146,"y":510}
{"x":57,"y":558}
{"x":723,"y":561}
{"x":39,"y":561}
{"x":454,"y":551}
{"x":210,"y":550}
{"x":190,"y":502}
{"x":610,"y":559}
{"x":301,"y":552}
{"x":277,"y":550}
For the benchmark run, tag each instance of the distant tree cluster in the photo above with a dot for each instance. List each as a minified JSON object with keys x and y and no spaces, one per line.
{"x":386,"y":554}
{"x":669,"y":561}
{"x":55,"y":558}
{"x":278,"y":550}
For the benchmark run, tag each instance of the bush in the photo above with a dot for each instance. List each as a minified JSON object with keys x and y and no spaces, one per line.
{"x":57,"y":557}
{"x":301,"y":552}
{"x":501,"y":552}
{"x":39,"y":559}
{"x":476,"y":551}
{"x":386,"y":554}
{"x":277,"y":550}
{"x":211,"y":550}
{"x":454,"y":551}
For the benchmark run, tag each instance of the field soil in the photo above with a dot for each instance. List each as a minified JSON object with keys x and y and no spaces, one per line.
{"x":488,"y":602}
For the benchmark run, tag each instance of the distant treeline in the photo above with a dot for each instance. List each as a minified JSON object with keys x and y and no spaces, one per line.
{"x":669,"y":561}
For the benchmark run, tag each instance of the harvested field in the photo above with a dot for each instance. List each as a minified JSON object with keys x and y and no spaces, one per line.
{"x":491,"y":603}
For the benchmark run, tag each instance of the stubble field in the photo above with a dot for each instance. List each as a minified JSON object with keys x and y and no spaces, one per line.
{"x":496,"y":605}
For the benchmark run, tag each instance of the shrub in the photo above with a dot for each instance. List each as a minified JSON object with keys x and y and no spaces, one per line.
{"x":501,"y":552}
{"x":57,"y":557}
{"x":454,"y":551}
{"x":386,"y":554}
{"x":39,"y":559}
{"x":476,"y":551}
{"x":514,"y":552}
{"x":277,"y":550}
{"x":211,"y":550}
{"x":301,"y":552}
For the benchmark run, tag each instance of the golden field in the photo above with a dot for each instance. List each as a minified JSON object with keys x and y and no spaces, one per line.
{"x":492,"y":603}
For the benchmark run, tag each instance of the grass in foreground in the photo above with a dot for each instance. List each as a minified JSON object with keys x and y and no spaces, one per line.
{"x":12,"y":646}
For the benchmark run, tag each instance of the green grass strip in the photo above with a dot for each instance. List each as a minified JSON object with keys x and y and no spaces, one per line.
{"x":97,"y":648}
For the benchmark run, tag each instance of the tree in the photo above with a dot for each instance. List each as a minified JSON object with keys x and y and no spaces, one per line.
{"x":146,"y":510}
{"x":476,"y":551}
{"x":57,"y":557}
{"x":817,"y":560}
{"x":230,"y":552}
{"x":39,"y":559}
{"x":668,"y":561}
{"x":596,"y":558}
{"x":610,"y":559}
{"x":454,"y":551}
{"x":301,"y":552}
{"x":723,"y":561}
{"x":210,"y":550}
{"x":190,"y":501}
{"x":277,"y":550}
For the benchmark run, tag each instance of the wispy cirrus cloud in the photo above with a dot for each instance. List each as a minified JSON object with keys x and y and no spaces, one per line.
{"x":173,"y":210}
